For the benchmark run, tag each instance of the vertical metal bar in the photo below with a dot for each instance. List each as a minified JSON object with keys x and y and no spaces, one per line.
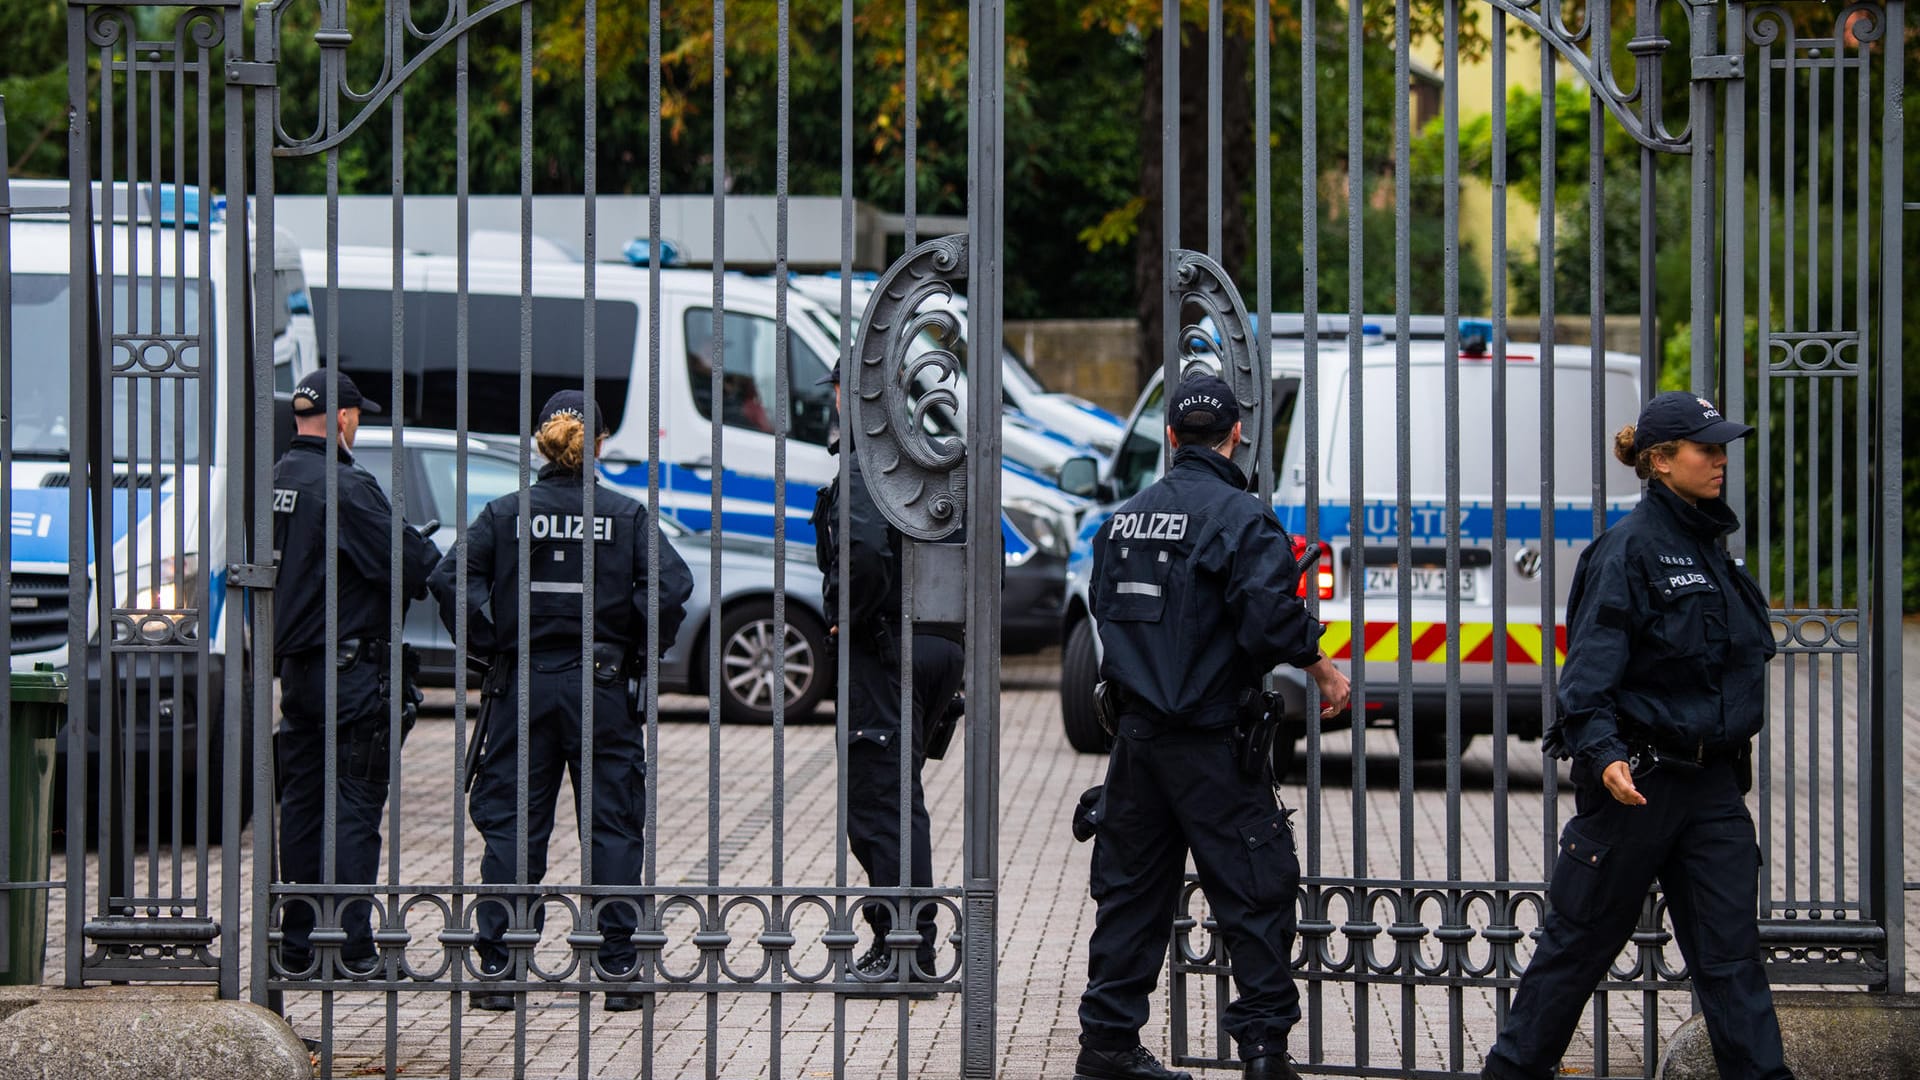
{"x":7,"y":896}
{"x":986,"y":156}
{"x":910,"y":84}
{"x":79,"y":327}
{"x":589,"y":485}
{"x":849,"y":421}
{"x":650,"y":838}
{"x":259,"y":413}
{"x":1502,"y":858}
{"x":783,"y":409}
{"x":1762,"y":563}
{"x":1169,"y":192}
{"x":230,"y":778}
{"x":1888,"y":857}
{"x":1215,"y":173}
{"x":1597,"y":291}
{"x":1703,"y":38}
{"x":1403,"y":471}
{"x":903,"y":917}
{"x":463,"y":909}
{"x":1450,"y":271}
{"x":1733,"y":291}
{"x":396,"y":524}
{"x":1864,"y":822}
{"x":1549,"y":367}
{"x":523,"y":909}
{"x":1813,"y":203}
{"x":718,"y":525}
{"x":1355,"y":452}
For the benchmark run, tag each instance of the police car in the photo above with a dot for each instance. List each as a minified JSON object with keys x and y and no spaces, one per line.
{"x":1369,"y":624}
{"x":166,"y":520}
{"x":747,"y":629}
{"x":1037,"y":519}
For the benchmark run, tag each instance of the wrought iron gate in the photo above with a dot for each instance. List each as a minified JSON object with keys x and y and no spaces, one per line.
{"x":1798,"y":109}
{"x":1792,"y":118}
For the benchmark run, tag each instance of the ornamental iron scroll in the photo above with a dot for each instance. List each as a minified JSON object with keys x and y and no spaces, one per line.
{"x":1220,"y":335}
{"x":916,"y":476}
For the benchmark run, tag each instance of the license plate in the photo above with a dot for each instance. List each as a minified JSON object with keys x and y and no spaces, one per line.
{"x":1423,"y":582}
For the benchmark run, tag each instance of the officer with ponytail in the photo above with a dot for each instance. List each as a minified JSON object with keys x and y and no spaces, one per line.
{"x":557,"y":535}
{"x":1664,"y":688}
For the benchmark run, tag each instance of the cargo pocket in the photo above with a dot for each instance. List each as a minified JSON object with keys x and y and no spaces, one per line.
{"x":1275,"y":868}
{"x":1692,"y":615}
{"x":1578,"y":885}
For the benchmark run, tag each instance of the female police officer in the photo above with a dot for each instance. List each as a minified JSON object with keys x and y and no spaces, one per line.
{"x":1667,"y":646}
{"x":557,"y":535}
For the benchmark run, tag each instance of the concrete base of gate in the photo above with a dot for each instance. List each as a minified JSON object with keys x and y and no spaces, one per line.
{"x":47,"y":1033}
{"x":1828,"y":1036}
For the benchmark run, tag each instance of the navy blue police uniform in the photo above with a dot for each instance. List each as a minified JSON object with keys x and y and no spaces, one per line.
{"x":1667,"y":644}
{"x":364,"y":585}
{"x":874,"y":727}
{"x":557,"y":536}
{"x":1194,"y":596}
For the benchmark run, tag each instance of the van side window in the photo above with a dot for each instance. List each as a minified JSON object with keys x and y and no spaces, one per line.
{"x":748,"y":387}
{"x":430,"y":323}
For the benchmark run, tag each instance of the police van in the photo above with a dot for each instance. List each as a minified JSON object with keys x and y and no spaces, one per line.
{"x":1376,"y":632}
{"x":168,"y":549}
{"x":1037,"y":520}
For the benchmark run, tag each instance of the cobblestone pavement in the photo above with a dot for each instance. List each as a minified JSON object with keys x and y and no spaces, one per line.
{"x":1044,"y":913}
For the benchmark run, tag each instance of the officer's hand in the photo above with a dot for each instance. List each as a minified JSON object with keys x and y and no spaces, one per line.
{"x":1619,"y":780}
{"x":1335,"y":691}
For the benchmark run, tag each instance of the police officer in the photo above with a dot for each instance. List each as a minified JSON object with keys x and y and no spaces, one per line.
{"x":1661,"y":696}
{"x":1194,"y":593}
{"x":557,"y":535}
{"x":363,"y":584}
{"x":874,"y":729}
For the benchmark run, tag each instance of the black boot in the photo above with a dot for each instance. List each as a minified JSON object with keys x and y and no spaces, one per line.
{"x":490,"y":1000}
{"x":1271,"y":1067}
{"x":1134,"y":1064}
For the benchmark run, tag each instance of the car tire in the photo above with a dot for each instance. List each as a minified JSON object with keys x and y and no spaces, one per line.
{"x":747,"y":663}
{"x":1079,"y":671}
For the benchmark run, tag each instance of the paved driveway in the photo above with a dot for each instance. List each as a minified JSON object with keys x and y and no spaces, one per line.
{"x":1044,"y":913}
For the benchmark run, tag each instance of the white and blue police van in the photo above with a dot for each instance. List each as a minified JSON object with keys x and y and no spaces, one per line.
{"x":1328,"y":556}
{"x":169,"y":276}
{"x":1037,"y":520}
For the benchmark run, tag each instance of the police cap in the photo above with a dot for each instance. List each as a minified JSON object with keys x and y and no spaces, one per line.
{"x":1203,"y":406}
{"x":1678,"y":414}
{"x":310,"y":397}
{"x":571,"y":403}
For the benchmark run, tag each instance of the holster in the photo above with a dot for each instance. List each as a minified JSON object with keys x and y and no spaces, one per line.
{"x":367,"y":745}
{"x":940,"y":731}
{"x":1106,"y":708}
{"x":493,"y":684}
{"x":1253,"y":733}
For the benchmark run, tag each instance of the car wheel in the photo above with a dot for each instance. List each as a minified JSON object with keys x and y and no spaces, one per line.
{"x":749,"y":663}
{"x":1079,"y":671}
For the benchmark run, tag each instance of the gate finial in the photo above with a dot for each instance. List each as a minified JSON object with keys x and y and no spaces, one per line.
{"x":1223,"y":333}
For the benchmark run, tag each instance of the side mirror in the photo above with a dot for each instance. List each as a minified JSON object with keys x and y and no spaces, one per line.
{"x":1080,"y":476}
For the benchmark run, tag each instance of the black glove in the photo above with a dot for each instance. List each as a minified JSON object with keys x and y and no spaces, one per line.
{"x":1087,"y":815}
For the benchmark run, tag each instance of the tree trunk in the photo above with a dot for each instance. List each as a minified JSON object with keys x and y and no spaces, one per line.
{"x":1236,"y":153}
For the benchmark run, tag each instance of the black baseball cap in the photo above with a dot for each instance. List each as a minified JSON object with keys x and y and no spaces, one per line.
{"x":571,"y":403}
{"x":1203,"y":405}
{"x":310,"y":397}
{"x":1678,"y":414}
{"x":831,"y":377}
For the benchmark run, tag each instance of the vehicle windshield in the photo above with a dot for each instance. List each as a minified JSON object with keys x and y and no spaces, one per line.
{"x":1138,"y":461}
{"x":40,"y":364}
{"x":1015,"y":370}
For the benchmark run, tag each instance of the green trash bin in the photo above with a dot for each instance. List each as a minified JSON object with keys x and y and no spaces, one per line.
{"x":39,"y":703}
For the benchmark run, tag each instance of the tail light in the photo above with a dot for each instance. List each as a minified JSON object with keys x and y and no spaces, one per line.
{"x":1314,"y":575}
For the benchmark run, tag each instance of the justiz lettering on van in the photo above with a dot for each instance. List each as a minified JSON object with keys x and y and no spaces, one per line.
{"x":569,"y":527}
{"x":1154,"y":526}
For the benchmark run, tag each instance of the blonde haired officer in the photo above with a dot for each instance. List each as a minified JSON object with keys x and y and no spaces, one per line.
{"x":557,"y":536}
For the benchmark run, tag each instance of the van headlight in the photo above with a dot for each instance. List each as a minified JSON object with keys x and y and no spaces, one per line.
{"x":178,"y":587}
{"x":1041,"y":524}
